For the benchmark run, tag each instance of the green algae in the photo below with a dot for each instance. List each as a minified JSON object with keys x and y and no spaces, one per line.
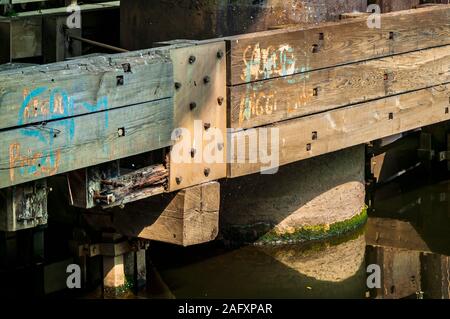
{"x":318,"y":232}
{"x":264,"y":233}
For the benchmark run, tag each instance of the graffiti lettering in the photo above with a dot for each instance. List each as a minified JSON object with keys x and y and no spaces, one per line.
{"x":35,"y":164}
{"x":264,"y":63}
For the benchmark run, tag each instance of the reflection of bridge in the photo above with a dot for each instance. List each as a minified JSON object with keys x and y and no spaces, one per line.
{"x":109,"y":121}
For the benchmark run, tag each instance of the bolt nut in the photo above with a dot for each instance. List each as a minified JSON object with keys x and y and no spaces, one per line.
{"x":177,"y":85}
{"x":178,"y":180}
{"x":207,"y":126}
{"x":192,"y":59}
{"x":220,"y":100}
{"x":220,"y":54}
{"x":206,"y":79}
{"x":207,"y":171}
{"x":192,"y":105}
{"x":220,"y":146}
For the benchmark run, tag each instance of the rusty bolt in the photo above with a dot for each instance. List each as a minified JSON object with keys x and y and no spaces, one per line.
{"x":192,"y":105}
{"x":108,"y":199}
{"x":207,"y":171}
{"x":207,"y":126}
{"x":192,"y":59}
{"x":220,"y":54}
{"x":177,"y":85}
{"x":206,"y":79}
{"x":179,"y":179}
{"x":220,"y":100}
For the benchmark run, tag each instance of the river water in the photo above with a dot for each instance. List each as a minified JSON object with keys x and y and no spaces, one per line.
{"x":407,"y":236}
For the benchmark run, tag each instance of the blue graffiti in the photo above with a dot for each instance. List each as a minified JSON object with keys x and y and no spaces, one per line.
{"x":60,"y":106}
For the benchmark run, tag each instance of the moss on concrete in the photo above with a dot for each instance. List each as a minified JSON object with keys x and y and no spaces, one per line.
{"x":311,"y":233}
{"x":263,"y":233}
{"x":123,"y":291}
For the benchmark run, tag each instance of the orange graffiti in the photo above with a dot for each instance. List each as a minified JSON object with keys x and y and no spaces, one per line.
{"x":34,"y":164}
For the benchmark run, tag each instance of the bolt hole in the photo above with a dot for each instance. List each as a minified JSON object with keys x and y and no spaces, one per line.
{"x":316,"y":92}
{"x":315,"y":135}
{"x":321,"y":36}
{"x":120,"y":80}
{"x":446,"y":110}
{"x":126,"y":67}
{"x":391,"y":116}
{"x":308,"y":147}
{"x":315,"y":48}
{"x":391,"y":35}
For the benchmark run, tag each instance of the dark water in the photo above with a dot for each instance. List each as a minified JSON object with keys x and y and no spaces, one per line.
{"x":407,"y":235}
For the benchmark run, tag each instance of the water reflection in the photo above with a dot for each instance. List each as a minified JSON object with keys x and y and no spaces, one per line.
{"x":408,"y":235}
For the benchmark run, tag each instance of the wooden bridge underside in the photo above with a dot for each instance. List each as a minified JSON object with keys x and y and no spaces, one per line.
{"x":325,"y":87}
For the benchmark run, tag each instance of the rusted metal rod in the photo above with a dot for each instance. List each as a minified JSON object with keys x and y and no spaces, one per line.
{"x":98,"y":44}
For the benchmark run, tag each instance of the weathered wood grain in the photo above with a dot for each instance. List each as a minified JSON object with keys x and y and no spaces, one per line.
{"x":330,"y":131}
{"x":264,"y":102}
{"x":37,"y":151}
{"x":42,"y":93}
{"x":265,"y":55}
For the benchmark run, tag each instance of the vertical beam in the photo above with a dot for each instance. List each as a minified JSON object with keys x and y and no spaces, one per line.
{"x":200,"y":115}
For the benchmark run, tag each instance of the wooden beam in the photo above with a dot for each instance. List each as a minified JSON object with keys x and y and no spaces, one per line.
{"x":271,"y":54}
{"x":274,"y":100}
{"x":38,"y":151}
{"x":330,"y":131}
{"x":188,"y":217}
{"x":56,"y":91}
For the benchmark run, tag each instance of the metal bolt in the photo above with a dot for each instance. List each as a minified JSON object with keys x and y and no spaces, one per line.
{"x":207,"y":171}
{"x":206,"y":79}
{"x":178,"y":179}
{"x":207,"y":126}
{"x":192,"y":59}
{"x":192,"y":105}
{"x":220,"y":54}
{"x":220,"y":100}
{"x":177,"y":85}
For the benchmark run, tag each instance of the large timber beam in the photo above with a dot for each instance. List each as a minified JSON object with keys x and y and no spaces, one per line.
{"x":306,"y":137}
{"x":271,"y":54}
{"x":60,"y":117}
{"x":187,"y":217}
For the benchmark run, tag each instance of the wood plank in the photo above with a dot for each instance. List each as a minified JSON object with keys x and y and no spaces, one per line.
{"x":38,"y":151}
{"x":270,"y":54}
{"x":330,"y":131}
{"x":43,"y":93}
{"x":274,"y":100}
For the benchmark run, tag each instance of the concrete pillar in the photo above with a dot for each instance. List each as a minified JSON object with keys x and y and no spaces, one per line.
{"x":310,"y":199}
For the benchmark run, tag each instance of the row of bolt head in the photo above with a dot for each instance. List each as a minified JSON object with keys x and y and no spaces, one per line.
{"x":179,"y":179}
{"x":193,"y":58}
